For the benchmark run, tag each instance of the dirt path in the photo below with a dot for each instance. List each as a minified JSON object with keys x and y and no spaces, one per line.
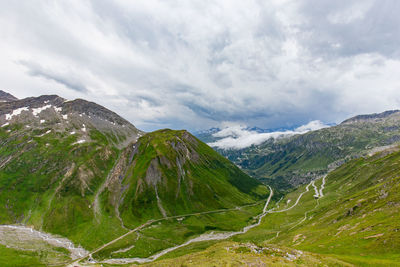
{"x":297,"y":201}
{"x":321,"y":193}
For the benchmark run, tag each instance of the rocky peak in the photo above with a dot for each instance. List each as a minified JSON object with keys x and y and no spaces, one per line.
{"x":92,"y":109}
{"x":6,"y":97}
{"x":77,"y":117}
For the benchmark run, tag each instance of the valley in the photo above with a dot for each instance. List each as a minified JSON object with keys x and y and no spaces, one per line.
{"x":81,"y":186}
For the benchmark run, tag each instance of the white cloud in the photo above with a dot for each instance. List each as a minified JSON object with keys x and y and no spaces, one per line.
{"x":238,"y":137}
{"x":311,"y":126}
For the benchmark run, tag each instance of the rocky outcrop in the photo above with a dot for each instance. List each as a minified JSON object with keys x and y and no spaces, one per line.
{"x":6,"y":97}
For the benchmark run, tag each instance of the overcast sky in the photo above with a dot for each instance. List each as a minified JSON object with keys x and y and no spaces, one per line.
{"x":197,"y":64}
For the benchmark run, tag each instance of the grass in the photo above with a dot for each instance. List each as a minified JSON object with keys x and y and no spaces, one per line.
{"x":356,"y":222}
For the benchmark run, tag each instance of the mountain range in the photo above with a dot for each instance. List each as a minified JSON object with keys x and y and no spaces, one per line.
{"x":293,"y":160}
{"x":81,"y":186}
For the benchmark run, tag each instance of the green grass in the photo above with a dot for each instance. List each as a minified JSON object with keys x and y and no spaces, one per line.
{"x":356,"y":222}
{"x":12,"y":257}
{"x":168,"y":233}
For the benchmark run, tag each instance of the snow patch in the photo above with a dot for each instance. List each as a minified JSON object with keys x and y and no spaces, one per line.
{"x":37,"y":111}
{"x":65,"y":117}
{"x":83,"y":128}
{"x":72,"y":133}
{"x":42,"y":121}
{"x":16,"y":112}
{"x":58,"y":109}
{"x":5,"y":124}
{"x":43,"y":134}
{"x":80,"y":141}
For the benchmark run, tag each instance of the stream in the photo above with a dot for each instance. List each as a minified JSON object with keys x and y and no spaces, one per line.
{"x":19,"y":233}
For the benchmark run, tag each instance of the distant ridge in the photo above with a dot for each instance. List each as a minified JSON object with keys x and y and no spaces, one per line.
{"x":369,"y":117}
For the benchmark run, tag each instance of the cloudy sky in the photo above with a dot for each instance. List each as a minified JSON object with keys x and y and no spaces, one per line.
{"x":197,"y":64}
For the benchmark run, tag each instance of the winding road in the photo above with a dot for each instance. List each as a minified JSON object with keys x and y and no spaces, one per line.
{"x":207,"y":236}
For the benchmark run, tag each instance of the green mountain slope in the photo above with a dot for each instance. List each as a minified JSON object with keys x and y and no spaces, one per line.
{"x":174,"y":173}
{"x":354,"y":222}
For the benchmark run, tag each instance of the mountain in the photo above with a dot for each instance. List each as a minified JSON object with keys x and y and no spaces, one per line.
{"x":77,"y":117}
{"x":175,"y":173}
{"x":6,"y":97}
{"x":54,"y":156}
{"x":77,"y":170}
{"x":376,"y":117}
{"x":207,"y":135}
{"x":288,"y":162}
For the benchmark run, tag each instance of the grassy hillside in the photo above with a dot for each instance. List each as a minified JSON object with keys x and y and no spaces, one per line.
{"x":355,"y":222}
{"x":358,"y":220}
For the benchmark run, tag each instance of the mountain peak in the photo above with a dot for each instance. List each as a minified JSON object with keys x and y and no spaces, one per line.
{"x":6,"y":97}
{"x":76,"y":116}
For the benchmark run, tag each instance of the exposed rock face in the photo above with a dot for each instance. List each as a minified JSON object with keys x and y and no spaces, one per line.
{"x":6,"y":97}
{"x":153,"y":174}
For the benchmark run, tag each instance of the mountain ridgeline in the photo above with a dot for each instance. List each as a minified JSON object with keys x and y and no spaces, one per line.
{"x":288,"y":162}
